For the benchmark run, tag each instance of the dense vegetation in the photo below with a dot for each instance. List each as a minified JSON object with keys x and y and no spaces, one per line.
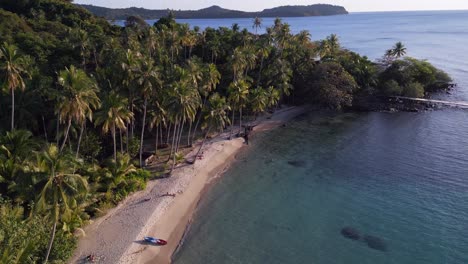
{"x":218,"y":12}
{"x":83,"y":102}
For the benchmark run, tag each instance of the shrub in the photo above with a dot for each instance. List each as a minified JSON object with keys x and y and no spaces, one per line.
{"x":391,"y":88}
{"x":413,"y":89}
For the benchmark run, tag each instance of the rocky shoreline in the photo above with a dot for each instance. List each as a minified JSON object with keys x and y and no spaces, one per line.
{"x":394,"y":104}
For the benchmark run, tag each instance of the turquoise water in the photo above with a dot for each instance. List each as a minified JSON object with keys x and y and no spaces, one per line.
{"x":402,"y":177}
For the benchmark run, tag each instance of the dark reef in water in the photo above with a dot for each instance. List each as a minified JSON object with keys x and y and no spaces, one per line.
{"x":372,"y":241}
{"x":297,"y":163}
{"x":375,"y":243}
{"x":351,"y":233}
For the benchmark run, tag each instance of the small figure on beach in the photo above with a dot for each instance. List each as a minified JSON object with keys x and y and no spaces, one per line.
{"x":200,"y":157}
{"x":246,"y":138}
{"x":90,"y":258}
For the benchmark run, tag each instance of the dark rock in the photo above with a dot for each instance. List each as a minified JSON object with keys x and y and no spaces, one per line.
{"x":350,"y":233}
{"x":297,"y":163}
{"x":375,"y":243}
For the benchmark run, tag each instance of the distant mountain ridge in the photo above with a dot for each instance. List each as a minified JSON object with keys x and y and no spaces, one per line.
{"x":218,"y":12}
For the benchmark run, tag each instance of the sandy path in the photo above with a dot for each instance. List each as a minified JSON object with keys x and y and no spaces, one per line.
{"x":116,"y":237}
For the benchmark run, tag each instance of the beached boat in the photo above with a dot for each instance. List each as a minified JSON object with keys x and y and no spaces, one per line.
{"x":156,"y":241}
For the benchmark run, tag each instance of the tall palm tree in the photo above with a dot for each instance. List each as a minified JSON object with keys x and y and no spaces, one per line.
{"x":183,"y":104}
{"x":13,"y":68}
{"x":238,"y":94}
{"x":112,"y":115}
{"x":215,"y":117}
{"x":399,"y":50}
{"x":77,"y":99}
{"x":147,"y":77}
{"x":257,"y":23}
{"x":61,"y":190}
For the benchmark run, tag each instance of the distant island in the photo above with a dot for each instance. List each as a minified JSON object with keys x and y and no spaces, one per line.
{"x":218,"y":12}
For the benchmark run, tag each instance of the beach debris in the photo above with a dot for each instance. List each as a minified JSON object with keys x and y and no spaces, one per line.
{"x":297,"y":163}
{"x":168,"y":194}
{"x":375,"y":243}
{"x":351,"y":233}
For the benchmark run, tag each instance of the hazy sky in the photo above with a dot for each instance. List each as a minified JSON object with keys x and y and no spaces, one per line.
{"x":257,"y":5}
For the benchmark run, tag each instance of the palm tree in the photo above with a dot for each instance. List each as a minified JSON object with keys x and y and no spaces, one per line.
{"x":77,"y":100}
{"x":258,"y":100}
{"x":62,"y":188}
{"x":263,"y":51}
{"x":112,"y":115}
{"x":147,"y":77}
{"x":257,"y":23}
{"x":215,"y":118}
{"x":183,"y":104}
{"x":334,"y":42}
{"x":13,"y":68}
{"x":116,"y":171}
{"x":211,"y":77}
{"x":238,"y":94}
{"x":399,"y":50}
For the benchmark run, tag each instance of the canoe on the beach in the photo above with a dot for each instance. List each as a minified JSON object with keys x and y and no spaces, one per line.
{"x":156,"y":241}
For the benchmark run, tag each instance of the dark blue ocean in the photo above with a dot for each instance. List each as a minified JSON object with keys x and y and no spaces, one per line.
{"x":399,"y":177}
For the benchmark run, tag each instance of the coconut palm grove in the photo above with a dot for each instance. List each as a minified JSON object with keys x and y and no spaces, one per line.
{"x":84,"y":103}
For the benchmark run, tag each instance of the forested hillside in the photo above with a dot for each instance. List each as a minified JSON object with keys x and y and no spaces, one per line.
{"x":218,"y":12}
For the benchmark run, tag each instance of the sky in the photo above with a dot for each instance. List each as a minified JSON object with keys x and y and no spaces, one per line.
{"x":258,"y":5}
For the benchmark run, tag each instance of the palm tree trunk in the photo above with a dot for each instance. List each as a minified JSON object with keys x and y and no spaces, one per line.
{"x":199,"y":118}
{"x":12,"y":109}
{"x":201,"y":146}
{"x":126,"y":133}
{"x":180,"y":136}
{"x":156,"y":143}
{"x":232,"y":124}
{"x":160,"y":134}
{"x":173,"y":140}
{"x":240,"y":120}
{"x":44,"y":127}
{"x":181,"y":129}
{"x":66,"y":135}
{"x":121,"y":141}
{"x":79,"y":140}
{"x":51,"y":241}
{"x":188,"y":136}
{"x":132,"y":123}
{"x":58,"y":130}
{"x":168,"y":134}
{"x":143,"y":132}
{"x":115,"y":143}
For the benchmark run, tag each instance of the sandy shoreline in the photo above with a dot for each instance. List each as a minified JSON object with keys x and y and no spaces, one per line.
{"x":116,"y":237}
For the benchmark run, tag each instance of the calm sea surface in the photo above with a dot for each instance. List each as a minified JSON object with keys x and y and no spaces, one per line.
{"x":401,"y":177}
